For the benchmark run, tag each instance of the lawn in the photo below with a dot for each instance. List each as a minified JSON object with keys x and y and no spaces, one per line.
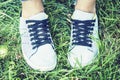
{"x":105,"y":67}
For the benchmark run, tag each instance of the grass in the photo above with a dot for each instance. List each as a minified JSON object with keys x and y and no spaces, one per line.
{"x":105,"y":67}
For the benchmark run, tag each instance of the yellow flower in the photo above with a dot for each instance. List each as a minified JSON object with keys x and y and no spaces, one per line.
{"x":3,"y":51}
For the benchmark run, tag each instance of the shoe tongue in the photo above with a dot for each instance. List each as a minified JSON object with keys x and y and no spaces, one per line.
{"x":40,"y":16}
{"x":80,"y":15}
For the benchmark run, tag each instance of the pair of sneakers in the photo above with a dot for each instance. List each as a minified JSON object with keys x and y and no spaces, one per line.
{"x":38,"y":48}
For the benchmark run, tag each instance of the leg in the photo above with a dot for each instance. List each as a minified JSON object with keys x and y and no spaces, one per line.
{"x":86,"y":5}
{"x":31,"y":7}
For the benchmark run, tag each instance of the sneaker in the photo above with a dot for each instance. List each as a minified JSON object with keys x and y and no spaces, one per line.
{"x":84,"y":36}
{"x":37,"y":44}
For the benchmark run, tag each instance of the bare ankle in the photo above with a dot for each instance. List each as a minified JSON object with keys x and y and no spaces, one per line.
{"x":86,"y":9}
{"x":32,"y":7}
{"x":86,"y":5}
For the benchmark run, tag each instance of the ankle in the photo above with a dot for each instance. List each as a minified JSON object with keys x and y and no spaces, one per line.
{"x":32,"y":7}
{"x":86,"y":9}
{"x":29,"y":13}
{"x":86,"y":5}
{"x":92,"y":10}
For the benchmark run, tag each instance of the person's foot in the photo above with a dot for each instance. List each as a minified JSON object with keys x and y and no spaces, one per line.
{"x":37,"y":44}
{"x":84,"y":37}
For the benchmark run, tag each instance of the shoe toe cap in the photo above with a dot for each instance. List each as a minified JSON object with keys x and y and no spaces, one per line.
{"x":80,"y":56}
{"x":44,"y":59}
